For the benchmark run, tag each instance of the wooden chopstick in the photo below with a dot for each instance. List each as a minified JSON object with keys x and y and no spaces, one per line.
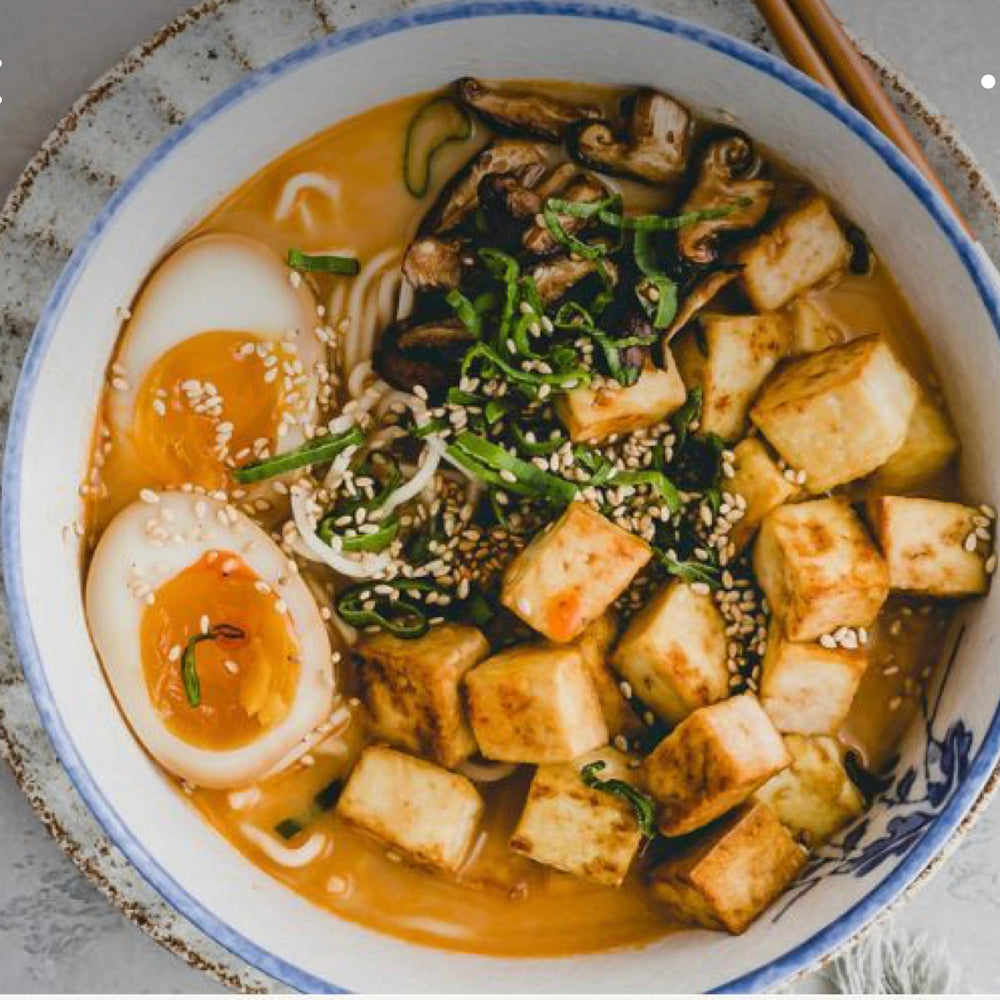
{"x":810,"y":36}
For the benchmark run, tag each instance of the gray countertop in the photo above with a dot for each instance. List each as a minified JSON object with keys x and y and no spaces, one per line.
{"x":57,"y":934}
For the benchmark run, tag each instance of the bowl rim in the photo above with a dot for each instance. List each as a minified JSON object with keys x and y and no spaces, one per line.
{"x":977,"y":264}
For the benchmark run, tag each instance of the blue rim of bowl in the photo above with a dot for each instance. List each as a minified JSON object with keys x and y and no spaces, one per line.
{"x":796,"y":959}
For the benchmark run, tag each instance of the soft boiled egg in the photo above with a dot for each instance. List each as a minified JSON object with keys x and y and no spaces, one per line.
{"x":214,"y":646}
{"x":218,"y":364}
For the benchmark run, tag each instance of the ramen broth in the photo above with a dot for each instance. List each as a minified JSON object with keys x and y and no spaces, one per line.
{"x":501,"y":903}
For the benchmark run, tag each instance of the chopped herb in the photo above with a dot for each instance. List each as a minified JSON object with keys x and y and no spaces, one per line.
{"x":466,"y":311}
{"x":189,"y":665}
{"x":401,"y":616}
{"x":314,"y":452}
{"x":645,"y":808}
{"x":323,"y":263}
{"x":689,"y":570}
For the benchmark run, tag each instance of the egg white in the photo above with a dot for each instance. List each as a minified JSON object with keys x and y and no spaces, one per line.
{"x":148,"y":544}
{"x":220,"y":281}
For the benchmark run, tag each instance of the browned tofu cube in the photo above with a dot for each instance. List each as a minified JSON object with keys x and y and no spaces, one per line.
{"x":929,"y":447}
{"x":819,"y":569}
{"x":535,"y":705}
{"x":732,"y":873}
{"x":762,"y":484}
{"x":595,"y":414}
{"x":567,"y":825}
{"x":838,"y":415}
{"x":428,"y":813}
{"x":594,"y":645}
{"x":714,"y":760}
{"x":812,"y":329}
{"x":741,"y":351}
{"x":924,"y":544}
{"x":807,"y":688}
{"x":815,"y":796}
{"x":673,"y":652}
{"x":571,"y":573}
{"x":802,"y":248}
{"x":412,"y":689}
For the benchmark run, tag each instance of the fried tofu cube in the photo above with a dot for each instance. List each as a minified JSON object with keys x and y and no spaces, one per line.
{"x":819,"y":569}
{"x":929,"y":446}
{"x":581,"y":830}
{"x":731,"y":874}
{"x":595,"y":414}
{"x":429,"y":814}
{"x":673,"y":652}
{"x":801,"y":249}
{"x":840,"y":414}
{"x":740,"y":352}
{"x":594,"y":645}
{"x":535,"y":705}
{"x":814,"y":797}
{"x":571,"y":573}
{"x":812,"y":329}
{"x":807,"y":688}
{"x":714,"y":760}
{"x":412,"y":689}
{"x":761,"y":483}
{"x":923,"y":542}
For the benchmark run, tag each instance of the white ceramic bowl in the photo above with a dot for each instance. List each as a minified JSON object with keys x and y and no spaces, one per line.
{"x":946,"y":761}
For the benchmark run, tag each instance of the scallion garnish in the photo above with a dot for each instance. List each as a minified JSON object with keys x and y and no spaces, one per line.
{"x":536,"y":448}
{"x":466,"y":311}
{"x":689,"y":570}
{"x":323,"y":263}
{"x":189,"y":665}
{"x":361,"y":608}
{"x":491,"y":461}
{"x":645,"y":808}
{"x":314,"y":452}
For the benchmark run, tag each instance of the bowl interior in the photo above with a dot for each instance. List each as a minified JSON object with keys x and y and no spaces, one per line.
{"x":947,"y":284}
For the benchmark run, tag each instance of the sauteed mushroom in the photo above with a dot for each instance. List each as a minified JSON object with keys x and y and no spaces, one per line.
{"x":460,"y":197}
{"x":554,"y":278}
{"x":728,"y":173}
{"x":412,"y":353}
{"x":584,"y":187}
{"x":703,"y":291}
{"x":521,"y":112}
{"x":653,"y":148}
{"x":433,"y":264}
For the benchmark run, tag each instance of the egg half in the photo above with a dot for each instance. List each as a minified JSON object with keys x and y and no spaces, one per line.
{"x":213,"y":644}
{"x":217,"y":365}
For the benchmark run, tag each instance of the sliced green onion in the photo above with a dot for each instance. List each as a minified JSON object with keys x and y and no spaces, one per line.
{"x":650,"y":477}
{"x":645,"y":808}
{"x":534,"y":448}
{"x":521,"y":476}
{"x":466,"y":312}
{"x":375,"y":541}
{"x":555,"y":207}
{"x":660,"y":223}
{"x":683,"y":418}
{"x":420,"y":150}
{"x":401,"y":617}
{"x":323,"y":263}
{"x":314,"y":452}
{"x":661,"y":312}
{"x":495,"y":410}
{"x":189,"y":665}
{"x":644,"y":252}
{"x":689,"y":570}
{"x":581,"y":375}
{"x":480,"y":610}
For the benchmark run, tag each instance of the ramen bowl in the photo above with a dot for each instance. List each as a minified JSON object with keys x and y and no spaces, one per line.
{"x":947,"y":758}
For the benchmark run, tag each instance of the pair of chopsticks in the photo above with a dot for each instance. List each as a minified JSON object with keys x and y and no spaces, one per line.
{"x":814,"y":41}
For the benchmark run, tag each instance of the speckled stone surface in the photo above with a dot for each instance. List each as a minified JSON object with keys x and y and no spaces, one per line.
{"x":57,"y":933}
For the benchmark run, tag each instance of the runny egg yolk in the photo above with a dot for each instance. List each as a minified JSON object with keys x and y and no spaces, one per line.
{"x":207,"y":405}
{"x":247,"y":669}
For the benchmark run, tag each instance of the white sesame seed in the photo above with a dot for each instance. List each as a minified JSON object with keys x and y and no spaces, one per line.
{"x":149,"y":496}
